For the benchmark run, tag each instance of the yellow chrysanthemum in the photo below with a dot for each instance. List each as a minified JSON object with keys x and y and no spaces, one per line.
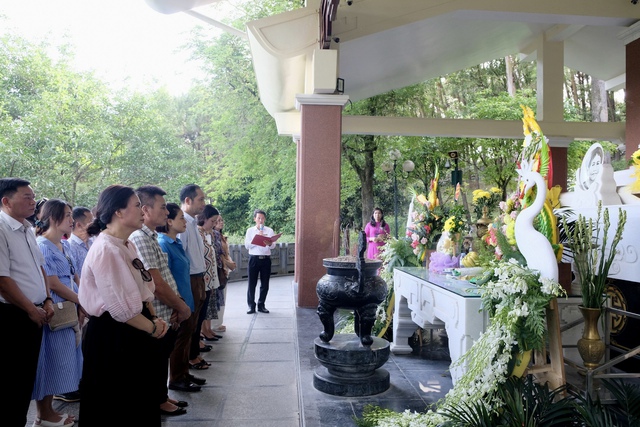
{"x":479,"y":195}
{"x":495,"y":190}
{"x":449,"y":224}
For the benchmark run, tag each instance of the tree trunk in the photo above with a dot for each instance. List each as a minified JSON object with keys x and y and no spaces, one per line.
{"x":599,"y":112}
{"x":366,"y":179}
{"x":511,"y":88}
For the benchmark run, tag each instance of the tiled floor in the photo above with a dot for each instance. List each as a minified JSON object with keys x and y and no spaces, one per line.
{"x":262,"y":372}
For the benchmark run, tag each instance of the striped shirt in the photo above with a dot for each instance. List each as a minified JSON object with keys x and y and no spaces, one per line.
{"x":152,"y":256}
{"x":78,"y":250}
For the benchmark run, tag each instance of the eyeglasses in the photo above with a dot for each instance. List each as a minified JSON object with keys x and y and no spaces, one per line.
{"x":71,"y":268}
{"x":138,"y":265}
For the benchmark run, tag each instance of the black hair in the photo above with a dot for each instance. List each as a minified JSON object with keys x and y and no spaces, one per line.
{"x":259,"y":211}
{"x":9,"y":186}
{"x":52,"y":210}
{"x":382,"y":221}
{"x":148,"y":193}
{"x":79,"y":212}
{"x":111,"y":199}
{"x":190,"y":191}
{"x":36,"y":212}
{"x":207,"y":213}
{"x":173,"y":209}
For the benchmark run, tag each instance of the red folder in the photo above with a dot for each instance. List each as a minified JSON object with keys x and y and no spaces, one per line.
{"x":264,"y":240}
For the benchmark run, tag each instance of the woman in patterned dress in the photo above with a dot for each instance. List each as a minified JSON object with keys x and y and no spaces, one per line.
{"x":60,"y":360}
{"x":206,"y":221}
{"x":222,"y":254}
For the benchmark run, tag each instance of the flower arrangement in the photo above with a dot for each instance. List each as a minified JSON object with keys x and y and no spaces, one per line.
{"x":501,"y":233}
{"x":516,"y":299}
{"x":454,"y":224}
{"x":486,"y":200}
{"x":425,"y":227}
{"x":590,"y":253}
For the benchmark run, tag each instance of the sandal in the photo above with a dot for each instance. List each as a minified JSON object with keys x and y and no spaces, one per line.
{"x":221,"y":328}
{"x":200,"y":359}
{"x":200,"y":366}
{"x":44,"y":423}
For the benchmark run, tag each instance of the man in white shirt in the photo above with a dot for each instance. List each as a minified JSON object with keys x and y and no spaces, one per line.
{"x":25,"y":302}
{"x":259,"y":263}
{"x":192,"y":203}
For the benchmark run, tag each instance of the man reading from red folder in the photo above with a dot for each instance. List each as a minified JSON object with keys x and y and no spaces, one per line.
{"x":259,"y":240}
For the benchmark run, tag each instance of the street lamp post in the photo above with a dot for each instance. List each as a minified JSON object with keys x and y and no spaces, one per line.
{"x":390,"y":168}
{"x":456,"y":175}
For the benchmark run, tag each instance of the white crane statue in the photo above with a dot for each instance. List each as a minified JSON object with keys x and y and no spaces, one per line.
{"x":534,"y":246}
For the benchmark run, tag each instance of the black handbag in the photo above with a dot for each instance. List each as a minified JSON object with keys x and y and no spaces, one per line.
{"x":222,"y":277}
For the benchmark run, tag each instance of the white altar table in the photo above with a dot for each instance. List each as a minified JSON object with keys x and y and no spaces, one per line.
{"x":435,"y":301}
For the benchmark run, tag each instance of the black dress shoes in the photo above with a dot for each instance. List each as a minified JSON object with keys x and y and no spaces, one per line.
{"x":178,"y":411}
{"x":252,"y":310}
{"x":205,"y":349}
{"x":184,"y":385}
{"x":262,"y":309}
{"x":196,"y":380}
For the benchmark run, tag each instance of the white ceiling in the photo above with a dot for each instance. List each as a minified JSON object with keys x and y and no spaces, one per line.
{"x":390,"y":44}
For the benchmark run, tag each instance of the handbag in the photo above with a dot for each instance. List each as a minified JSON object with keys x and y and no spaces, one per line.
{"x":222,"y":277}
{"x":65,"y":316}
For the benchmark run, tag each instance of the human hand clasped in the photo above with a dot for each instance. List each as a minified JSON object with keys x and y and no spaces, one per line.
{"x":160,"y":328}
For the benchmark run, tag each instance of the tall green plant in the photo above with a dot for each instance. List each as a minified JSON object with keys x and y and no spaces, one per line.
{"x":592,"y":259}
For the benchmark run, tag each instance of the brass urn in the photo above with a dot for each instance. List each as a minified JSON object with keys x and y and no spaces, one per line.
{"x":482,"y":225}
{"x":590,"y":346}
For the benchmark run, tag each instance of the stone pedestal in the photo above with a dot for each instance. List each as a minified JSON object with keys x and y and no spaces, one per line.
{"x":350,"y":368}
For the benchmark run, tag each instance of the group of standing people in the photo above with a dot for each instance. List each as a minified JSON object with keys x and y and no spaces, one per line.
{"x":148,"y":278}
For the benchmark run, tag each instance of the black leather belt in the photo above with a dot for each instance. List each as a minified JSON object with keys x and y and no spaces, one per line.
{"x":197,"y":275}
{"x":261,"y":256}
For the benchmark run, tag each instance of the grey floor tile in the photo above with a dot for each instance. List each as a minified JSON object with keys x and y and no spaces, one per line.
{"x":266,"y":373}
{"x":272,"y":351}
{"x":262,"y":403}
{"x":271,"y":336}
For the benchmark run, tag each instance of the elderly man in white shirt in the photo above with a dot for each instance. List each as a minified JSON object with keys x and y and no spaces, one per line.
{"x":25,"y":302}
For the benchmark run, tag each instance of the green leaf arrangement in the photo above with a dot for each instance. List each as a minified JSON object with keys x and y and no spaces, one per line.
{"x":593,"y":253}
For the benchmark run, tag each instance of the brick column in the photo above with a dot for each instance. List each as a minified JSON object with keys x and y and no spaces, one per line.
{"x":317,"y":190}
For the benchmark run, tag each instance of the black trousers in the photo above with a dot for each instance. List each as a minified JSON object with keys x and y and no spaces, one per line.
{"x":116,"y":365}
{"x":165,"y":346}
{"x":20,"y":338}
{"x":198,"y":289}
{"x":194,"y":351}
{"x":259,"y":267}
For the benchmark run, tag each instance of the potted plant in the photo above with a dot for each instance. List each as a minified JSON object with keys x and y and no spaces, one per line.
{"x":593,"y":253}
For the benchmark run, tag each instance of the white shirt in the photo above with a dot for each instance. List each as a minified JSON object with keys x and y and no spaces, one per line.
{"x":257,"y":249}
{"x":21,"y":258}
{"x":193,"y":246}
